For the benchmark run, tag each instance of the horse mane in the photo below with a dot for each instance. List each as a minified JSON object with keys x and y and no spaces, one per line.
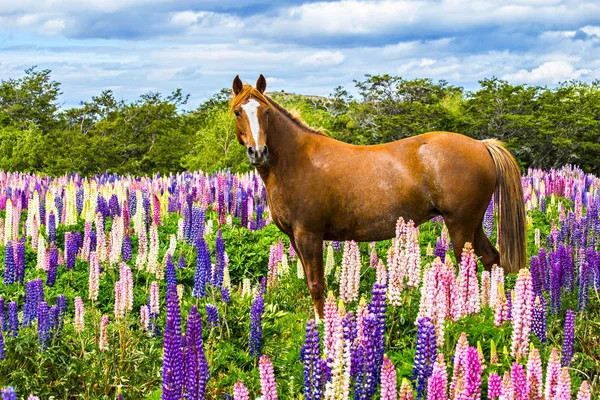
{"x":249,"y":91}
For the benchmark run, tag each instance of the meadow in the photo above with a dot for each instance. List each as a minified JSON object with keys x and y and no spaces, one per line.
{"x":179,"y":286}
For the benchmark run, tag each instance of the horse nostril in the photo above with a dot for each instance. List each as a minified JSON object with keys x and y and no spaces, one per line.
{"x":250,"y":151}
{"x":265,"y":151}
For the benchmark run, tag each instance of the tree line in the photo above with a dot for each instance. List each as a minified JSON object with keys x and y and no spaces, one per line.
{"x":543,"y":127}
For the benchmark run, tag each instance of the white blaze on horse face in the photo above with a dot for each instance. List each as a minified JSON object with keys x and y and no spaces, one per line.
{"x":251,"y":110}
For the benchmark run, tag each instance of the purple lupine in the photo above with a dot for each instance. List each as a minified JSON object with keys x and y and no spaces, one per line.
{"x":584,"y":278}
{"x":2,"y":315}
{"x":51,"y":227}
{"x":79,"y":197}
{"x":350,"y":329}
{"x":425,"y":355}
{"x":212,"y":315}
{"x":126,"y":249}
{"x":172,"y":362}
{"x":1,"y":346}
{"x":52,"y":265}
{"x":170,"y":273}
{"x":509,"y":299}
{"x":310,"y":357}
{"x":43,"y":325}
{"x":53,"y":318}
{"x":9,"y":264}
{"x":30,"y":307}
{"x":196,"y":369}
{"x":13,"y":319}
{"x":203,"y":268}
{"x":536,"y":274}
{"x":538,"y":318}
{"x":488,"y":219}
{"x":70,"y":251}
{"x":366,"y":380}
{"x":19,"y":259}
{"x":545,"y":271}
{"x":567,"y":353}
{"x":256,"y":312}
{"x":181,"y":263}
{"x":9,"y":393}
{"x":440,"y":249}
{"x":337,"y":245}
{"x":225,"y":296}
{"x":217,"y":278}
{"x":555,"y":288}
{"x":263,"y":285}
{"x":377,"y":308}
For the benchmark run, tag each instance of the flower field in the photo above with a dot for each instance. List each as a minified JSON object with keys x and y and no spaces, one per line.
{"x":181,"y":287}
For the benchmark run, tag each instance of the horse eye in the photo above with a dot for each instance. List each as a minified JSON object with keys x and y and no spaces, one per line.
{"x":268,"y":111}
{"x":237,"y":113}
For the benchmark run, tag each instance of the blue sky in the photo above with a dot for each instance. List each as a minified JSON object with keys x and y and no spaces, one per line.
{"x":309,"y":47}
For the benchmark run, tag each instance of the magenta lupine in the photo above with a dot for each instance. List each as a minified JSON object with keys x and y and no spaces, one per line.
{"x":437,"y":386}
{"x":467,"y":298}
{"x":494,"y":386}
{"x":552,"y":375}
{"x":519,"y":382}
{"x":563,"y":387}
{"x":584,"y":392}
{"x":534,"y":375}
{"x":388,"y":380}
{"x":521,"y":314}
{"x":103,"y":341}
{"x":472,"y":379}
{"x":240,"y":392}
{"x":267,"y":379}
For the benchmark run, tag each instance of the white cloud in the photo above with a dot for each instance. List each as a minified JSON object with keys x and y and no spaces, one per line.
{"x":550,"y":72}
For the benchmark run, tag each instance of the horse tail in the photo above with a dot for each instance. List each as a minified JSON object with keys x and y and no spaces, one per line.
{"x":510,"y":205}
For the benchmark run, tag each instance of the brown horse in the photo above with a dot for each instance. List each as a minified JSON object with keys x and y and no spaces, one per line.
{"x":319,"y":188}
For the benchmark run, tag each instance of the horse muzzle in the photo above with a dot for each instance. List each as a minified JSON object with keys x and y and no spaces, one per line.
{"x":258,"y":156}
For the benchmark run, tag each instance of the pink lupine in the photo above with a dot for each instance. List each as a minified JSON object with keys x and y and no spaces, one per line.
{"x":497,"y":277}
{"x":240,"y":391}
{"x":406,"y":392}
{"x":467,"y":299}
{"x":413,"y":253}
{"x":519,"y":382}
{"x":142,"y":255}
{"x":563,"y":388}
{"x":85,"y":251}
{"x":332,"y":326}
{"x":119,"y":307}
{"x":154,"y":298}
{"x":350,"y":279}
{"x":485,"y":288}
{"x":437,"y":385}
{"x":103,"y":341}
{"x":507,"y":387}
{"x":534,"y":375}
{"x":93,"y":280}
{"x":552,"y":375}
{"x":494,"y":386}
{"x":436,"y":295}
{"x":338,"y":386}
{"x":381,"y":275}
{"x":267,"y":378}
{"x":374,"y":259}
{"x":145,"y":317}
{"x":500,"y":307}
{"x":459,"y":370}
{"x":521,"y":314}
{"x":127,"y":279}
{"x":79,"y":320}
{"x":100,"y":238}
{"x":272,"y":269}
{"x":584,"y":392}
{"x":388,"y":380}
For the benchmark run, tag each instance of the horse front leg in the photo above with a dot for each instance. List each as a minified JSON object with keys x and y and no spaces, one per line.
{"x":309,"y":247}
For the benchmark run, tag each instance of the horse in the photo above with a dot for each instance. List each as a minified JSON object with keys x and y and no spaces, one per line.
{"x":319,"y":188}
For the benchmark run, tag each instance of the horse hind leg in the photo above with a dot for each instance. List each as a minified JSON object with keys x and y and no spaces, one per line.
{"x":485,"y":249}
{"x":310,"y":249}
{"x":461,"y":231}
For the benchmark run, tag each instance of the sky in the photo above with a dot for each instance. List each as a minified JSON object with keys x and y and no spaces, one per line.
{"x":308,"y":47}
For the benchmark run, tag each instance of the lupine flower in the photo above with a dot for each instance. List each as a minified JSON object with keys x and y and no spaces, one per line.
{"x":240,"y":392}
{"x":2,"y":315}
{"x":563,"y":388}
{"x":388,"y":380}
{"x":406,"y":392}
{"x":467,"y":296}
{"x":552,"y":375}
{"x":567,"y":353}
{"x":9,"y":264}
{"x":52,"y":265}
{"x":103,"y":341}
{"x":43,"y":326}
{"x":521,"y":315}
{"x":459,"y":370}
{"x":472,"y":379}
{"x":425,"y":356}
{"x":19,"y":257}
{"x":1,"y":346}
{"x":534,"y":375}
{"x":494,"y":386}
{"x":485,"y":288}
{"x":145,"y":317}
{"x":584,"y":392}
{"x":501,"y":307}
{"x":350,"y":279}
{"x":332,"y":326}
{"x":437,"y":386}
{"x":497,"y":277}
{"x":172,"y":362}
{"x":256,"y":312}
{"x":338,"y":380}
{"x":217,"y":278}
{"x":93,"y":281}
{"x":374,"y":259}
{"x":197,"y":372}
{"x":267,"y":379}
{"x":329,"y":260}
{"x":519,"y":382}
{"x":181,"y":263}
{"x":310,"y":356}
{"x":9,"y":393}
{"x":126,"y":249}
{"x":213,"y":315}
{"x":70,"y":251}
{"x":538,"y":318}
{"x":170,"y":274}
{"x":225,"y":295}
{"x":203,"y":269}
{"x":79,"y":321}
{"x":13,"y":319}
{"x":507,"y":387}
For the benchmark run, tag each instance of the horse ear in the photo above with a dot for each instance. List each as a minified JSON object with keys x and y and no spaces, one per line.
{"x":237,"y":85}
{"x":261,"y":84}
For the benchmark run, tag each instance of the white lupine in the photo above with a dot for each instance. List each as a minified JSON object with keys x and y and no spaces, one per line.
{"x":330,"y":260}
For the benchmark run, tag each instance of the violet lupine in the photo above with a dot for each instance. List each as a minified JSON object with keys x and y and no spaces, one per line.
{"x":256,"y":312}
{"x":569,"y":337}
{"x":225,"y":295}
{"x":534,"y":375}
{"x":181,"y":263}
{"x":43,"y":325}
{"x":19,"y":258}
{"x":377,"y":308}
{"x":488,"y":219}
{"x":555,"y":287}
{"x":2,"y":315}
{"x":584,"y":392}
{"x":52,"y":265}
{"x":437,"y":386}
{"x":79,"y":321}
{"x":538,"y":318}
{"x":172,"y":373}
{"x":350,"y":278}
{"x":213,"y":315}
{"x":552,"y":375}
{"x":467,"y":293}
{"x":521,"y":314}
{"x":240,"y":391}
{"x":310,"y":358}
{"x":217,"y":278}
{"x":1,"y":346}
{"x":369,"y":367}
{"x":126,"y":252}
{"x":171,"y":275}
{"x":70,"y":251}
{"x":494,"y":386}
{"x":9,"y":264}
{"x":267,"y":379}
{"x":563,"y":387}
{"x":425,"y":355}
{"x":388,"y":380}
{"x":103,"y":340}
{"x":203,"y":268}
{"x":196,"y":369}
{"x":9,"y":393}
